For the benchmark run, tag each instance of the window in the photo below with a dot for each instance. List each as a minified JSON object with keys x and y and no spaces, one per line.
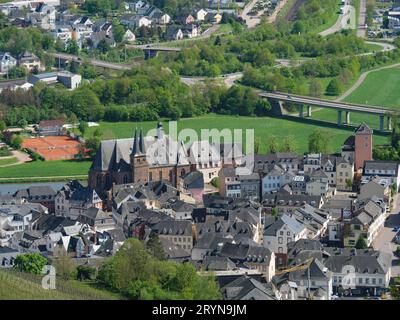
{"x":289,"y":240}
{"x":281,"y":233}
{"x":160,"y":175}
{"x":150,"y":176}
{"x":125,"y":179}
{"x":373,"y":281}
{"x":280,"y":240}
{"x":280,"y":250}
{"x":366,"y":280}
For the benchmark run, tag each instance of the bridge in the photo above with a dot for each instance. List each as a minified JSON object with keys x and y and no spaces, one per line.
{"x":151,"y":51}
{"x":93,"y":62}
{"x":277,"y":99}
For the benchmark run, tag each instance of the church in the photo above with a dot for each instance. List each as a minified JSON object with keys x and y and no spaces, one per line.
{"x":141,"y":159}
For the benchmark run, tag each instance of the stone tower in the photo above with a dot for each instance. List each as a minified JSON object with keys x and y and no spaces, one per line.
{"x":362,"y":146}
{"x":139,"y":164}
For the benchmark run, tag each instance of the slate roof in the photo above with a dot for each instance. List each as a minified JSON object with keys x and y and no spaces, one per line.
{"x":381,"y":165}
{"x":173,"y":251}
{"x":364,"y":129}
{"x":246,"y":253}
{"x":174,"y":227}
{"x":115,"y":154}
{"x":215,"y":263}
{"x":285,"y":219}
{"x":363,"y":260}
{"x":248,"y":288}
{"x":193,"y":180}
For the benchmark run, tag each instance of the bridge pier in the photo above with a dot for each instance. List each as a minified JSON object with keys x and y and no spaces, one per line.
{"x":309,"y":111}
{"x":339,"y":117}
{"x":347,"y":120}
{"x":389,"y":123}
{"x":301,"y":111}
{"x":381,"y":122}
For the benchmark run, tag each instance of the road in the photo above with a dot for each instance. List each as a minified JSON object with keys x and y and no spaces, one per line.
{"x":324,"y":103}
{"x":361,"y":30}
{"x":251,"y":21}
{"x":229,"y":79}
{"x":94,"y":62}
{"x":361,"y":79}
{"x":341,"y":22}
{"x":383,"y":241}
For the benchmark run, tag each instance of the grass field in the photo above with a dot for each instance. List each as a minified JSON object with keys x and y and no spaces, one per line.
{"x":46,"y":169}
{"x":380,"y":88}
{"x":264,"y":127}
{"x":8,"y":161}
{"x":20,"y":286}
{"x":355,"y":117}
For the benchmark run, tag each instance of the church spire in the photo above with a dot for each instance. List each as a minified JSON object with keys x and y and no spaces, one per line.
{"x":136,"y":147}
{"x":141,"y":142}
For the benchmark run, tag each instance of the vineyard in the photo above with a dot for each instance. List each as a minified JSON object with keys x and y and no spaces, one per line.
{"x":22,"y":286}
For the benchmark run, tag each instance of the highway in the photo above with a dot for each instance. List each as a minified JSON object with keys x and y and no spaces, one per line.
{"x":325,"y":103}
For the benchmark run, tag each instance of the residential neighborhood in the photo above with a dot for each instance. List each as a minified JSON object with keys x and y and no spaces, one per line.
{"x":268,"y":227}
{"x":199,"y":150}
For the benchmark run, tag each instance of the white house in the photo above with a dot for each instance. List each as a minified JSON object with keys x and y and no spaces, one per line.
{"x":7,"y":62}
{"x":282,"y":231}
{"x":201,"y":15}
{"x":207,"y":159}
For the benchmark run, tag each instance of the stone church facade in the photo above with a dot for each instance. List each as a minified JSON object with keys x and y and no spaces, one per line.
{"x":141,"y":159}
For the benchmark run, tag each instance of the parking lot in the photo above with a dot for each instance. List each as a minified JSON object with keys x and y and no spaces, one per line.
{"x":384,"y":241}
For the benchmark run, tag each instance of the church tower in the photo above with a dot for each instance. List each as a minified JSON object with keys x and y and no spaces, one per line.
{"x":362,"y":146}
{"x":139,"y":164}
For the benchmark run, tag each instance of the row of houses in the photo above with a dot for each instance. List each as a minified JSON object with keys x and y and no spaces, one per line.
{"x":26,"y":60}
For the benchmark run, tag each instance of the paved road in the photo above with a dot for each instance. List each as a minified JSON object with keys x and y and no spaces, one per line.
{"x":341,"y":22}
{"x":383,"y":241}
{"x":361,"y":30}
{"x":94,"y":62}
{"x":229,"y":79}
{"x":251,"y":21}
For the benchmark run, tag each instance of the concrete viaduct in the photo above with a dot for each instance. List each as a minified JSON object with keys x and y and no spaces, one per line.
{"x":276,"y":100}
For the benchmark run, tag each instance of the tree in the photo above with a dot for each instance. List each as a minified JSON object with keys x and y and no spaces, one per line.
{"x":334,"y":88}
{"x":30,"y":262}
{"x":257,"y":144}
{"x":393,"y":188}
{"x":155,"y":247}
{"x":83,"y":125}
{"x":315,"y":88}
{"x":289,"y":144}
{"x":318,"y":141}
{"x":349,"y":183}
{"x":118,"y":32}
{"x":215,"y":182}
{"x":65,"y":267}
{"x":361,"y":243}
{"x":72,"y":47}
{"x":85,"y":272}
{"x":272,"y":145}
{"x":274,"y":212}
{"x":92,"y":145}
{"x":16,"y":141}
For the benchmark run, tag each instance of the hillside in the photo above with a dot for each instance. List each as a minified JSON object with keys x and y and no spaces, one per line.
{"x":19,"y":286}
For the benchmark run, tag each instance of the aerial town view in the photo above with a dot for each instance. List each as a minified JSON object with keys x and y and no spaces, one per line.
{"x":200,"y":150}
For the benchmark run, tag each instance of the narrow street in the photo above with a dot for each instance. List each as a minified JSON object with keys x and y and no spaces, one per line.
{"x":384,"y":240}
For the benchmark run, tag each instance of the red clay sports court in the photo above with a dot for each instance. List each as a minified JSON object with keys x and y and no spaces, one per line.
{"x":53,"y":147}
